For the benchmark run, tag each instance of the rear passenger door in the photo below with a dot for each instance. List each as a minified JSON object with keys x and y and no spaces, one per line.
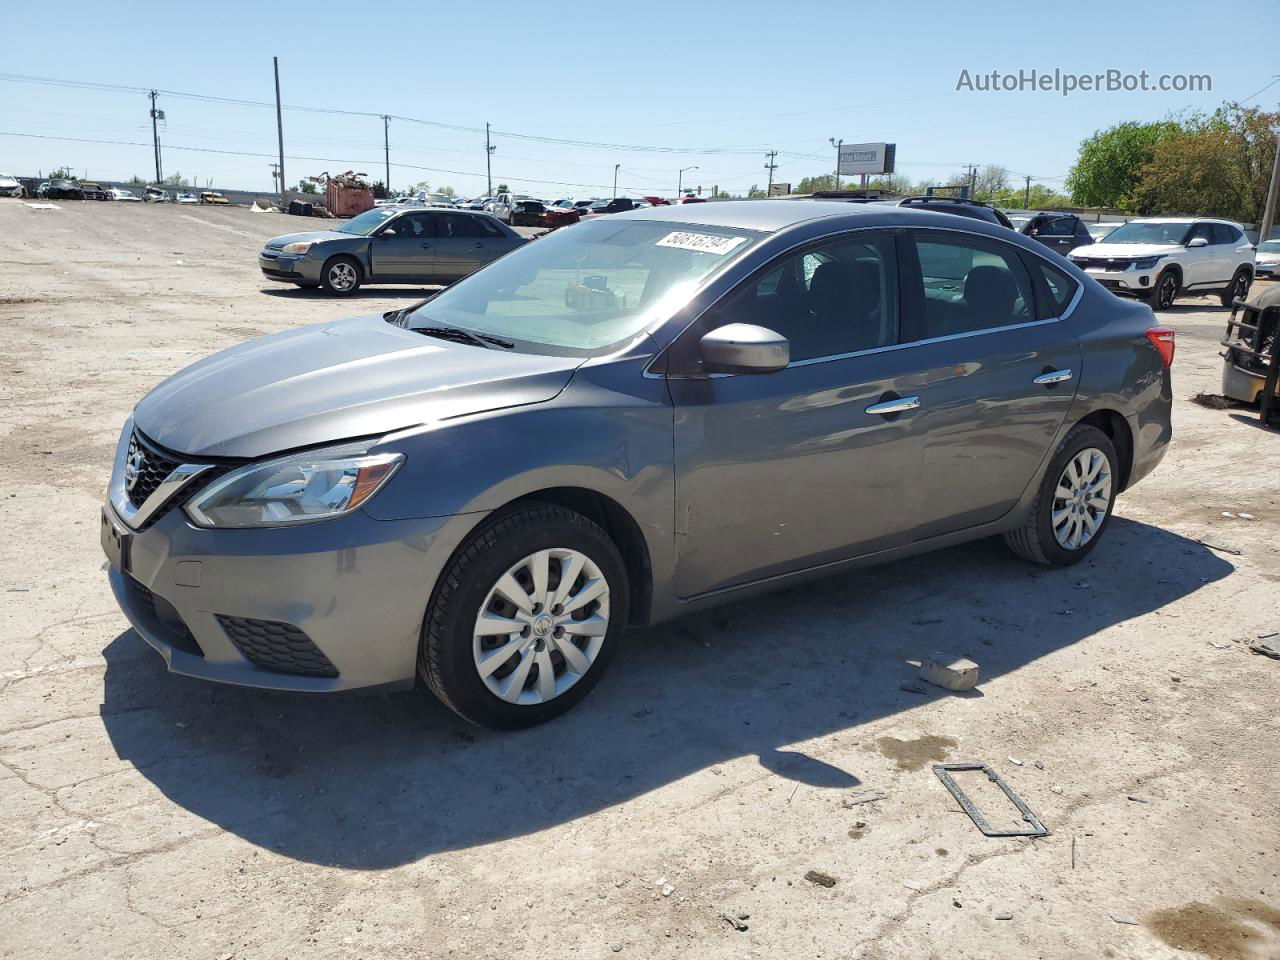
{"x":1058,"y":234}
{"x":460,"y":240}
{"x":997,"y":372}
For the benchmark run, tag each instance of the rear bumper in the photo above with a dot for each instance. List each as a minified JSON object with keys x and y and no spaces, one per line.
{"x":347,"y":594}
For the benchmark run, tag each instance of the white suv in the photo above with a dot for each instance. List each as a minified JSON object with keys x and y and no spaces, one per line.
{"x":1160,"y":258}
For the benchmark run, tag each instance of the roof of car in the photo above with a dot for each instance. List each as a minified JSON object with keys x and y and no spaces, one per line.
{"x":768,"y":215}
{"x":1183,"y":220}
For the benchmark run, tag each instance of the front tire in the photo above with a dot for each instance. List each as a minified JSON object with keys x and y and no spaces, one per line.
{"x":525,"y":618}
{"x":1239,"y":288}
{"x":1073,"y":506}
{"x":341,"y":276}
{"x":1165,"y":291}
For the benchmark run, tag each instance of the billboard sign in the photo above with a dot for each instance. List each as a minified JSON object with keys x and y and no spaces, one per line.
{"x":858,"y":158}
{"x":779,"y":189}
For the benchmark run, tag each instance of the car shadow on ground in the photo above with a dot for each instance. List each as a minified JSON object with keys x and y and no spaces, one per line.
{"x":364,"y":293}
{"x":371,"y":782}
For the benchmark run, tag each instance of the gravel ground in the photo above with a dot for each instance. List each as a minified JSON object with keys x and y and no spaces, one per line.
{"x":718,"y":764}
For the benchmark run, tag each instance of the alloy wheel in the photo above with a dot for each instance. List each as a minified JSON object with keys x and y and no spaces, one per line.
{"x":342,"y":276}
{"x":1081,"y":499}
{"x":1167,"y":292}
{"x":541,"y":626}
{"x":1241,"y":288}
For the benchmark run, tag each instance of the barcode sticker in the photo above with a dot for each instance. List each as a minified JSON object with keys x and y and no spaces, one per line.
{"x":701,"y":242}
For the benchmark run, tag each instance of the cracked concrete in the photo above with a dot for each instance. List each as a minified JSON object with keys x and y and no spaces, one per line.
{"x":146,"y":815}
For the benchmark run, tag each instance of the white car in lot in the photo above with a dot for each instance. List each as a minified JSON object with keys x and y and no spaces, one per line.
{"x":119,"y":193}
{"x":9,"y":186}
{"x":188,"y":198}
{"x":1268,"y":259}
{"x":1158,"y":259}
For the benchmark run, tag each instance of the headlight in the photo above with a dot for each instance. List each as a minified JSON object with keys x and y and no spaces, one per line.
{"x":305,"y":487}
{"x":1146,"y":263}
{"x":300,"y":247}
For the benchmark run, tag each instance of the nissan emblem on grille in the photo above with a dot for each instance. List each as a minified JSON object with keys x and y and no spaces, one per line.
{"x":134,"y":464}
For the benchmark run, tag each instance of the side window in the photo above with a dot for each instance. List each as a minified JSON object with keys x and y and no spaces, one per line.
{"x":969,"y":284}
{"x":1200,"y":230}
{"x":839,"y":298}
{"x":487,"y":227}
{"x":1223,"y":233}
{"x":414,"y":226}
{"x":458,"y":226}
{"x":1060,"y":286}
{"x":1082,"y":232}
{"x":1060,"y":227}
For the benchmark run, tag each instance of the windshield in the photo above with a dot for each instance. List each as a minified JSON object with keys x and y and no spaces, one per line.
{"x":1269,"y":246}
{"x":367,"y":222}
{"x":587,"y":288}
{"x":1168,"y":234}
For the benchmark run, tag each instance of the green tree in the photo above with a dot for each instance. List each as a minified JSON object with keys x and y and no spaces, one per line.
{"x":1106,"y":170}
{"x":379,"y":190}
{"x":755,"y":193}
{"x":447,"y":191}
{"x":1041,"y":198}
{"x":306,"y":186}
{"x":813,"y":184}
{"x":1218,"y":166}
{"x":176,"y":180}
{"x":503,"y":188}
{"x":62,"y":173}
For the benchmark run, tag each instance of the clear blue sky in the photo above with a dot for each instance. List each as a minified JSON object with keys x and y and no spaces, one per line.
{"x":738,"y":78}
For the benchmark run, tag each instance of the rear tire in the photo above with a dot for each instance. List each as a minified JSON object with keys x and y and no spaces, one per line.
{"x":482,"y":574}
{"x":341,"y":276}
{"x":1047,"y":535}
{"x":1239,"y":288}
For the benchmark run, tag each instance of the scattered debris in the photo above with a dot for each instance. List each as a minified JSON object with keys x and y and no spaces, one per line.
{"x":735,"y":921}
{"x":1015,"y":761}
{"x":1118,"y":918}
{"x":43,"y":206}
{"x":668,"y":889}
{"x":1175,"y":678}
{"x":1138,"y":799}
{"x":793,"y":793}
{"x":1213,"y":401}
{"x":1004,"y":916}
{"x":1073,"y":852}
{"x":1246,"y":516}
{"x":1057,"y":790}
{"x":956,"y":903}
{"x":944,"y":772}
{"x":1266,"y":648}
{"x":1038,"y":764}
{"x":820,"y":878}
{"x":617,"y":948}
{"x":949,"y":672}
{"x":1213,"y":543}
{"x":924,"y":623}
{"x":862,"y":796}
{"x":642,"y":713}
{"x":912,"y":688}
{"x":1228,"y":513}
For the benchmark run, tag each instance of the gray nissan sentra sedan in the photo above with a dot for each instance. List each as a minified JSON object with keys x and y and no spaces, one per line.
{"x":627,"y":420}
{"x":389,"y":245}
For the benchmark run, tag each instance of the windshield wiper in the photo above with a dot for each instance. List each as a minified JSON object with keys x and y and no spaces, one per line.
{"x":465,"y":336}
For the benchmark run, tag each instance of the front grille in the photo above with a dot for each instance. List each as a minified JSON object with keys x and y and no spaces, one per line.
{"x":147,"y":467}
{"x":1112,"y":266}
{"x":165,"y":618}
{"x":275,"y":646}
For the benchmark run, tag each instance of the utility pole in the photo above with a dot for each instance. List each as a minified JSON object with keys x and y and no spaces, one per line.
{"x":771,"y":166}
{"x":1269,"y":211}
{"x":615,"y":180}
{"x":488,"y":164}
{"x":155,"y":136}
{"x":1026,"y":200}
{"x":275,"y":175}
{"x":837,"y":144}
{"x":386,"y":150}
{"x":973,"y":181}
{"x":275,"y":63}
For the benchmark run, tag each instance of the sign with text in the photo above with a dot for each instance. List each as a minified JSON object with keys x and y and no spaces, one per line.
{"x":858,"y":158}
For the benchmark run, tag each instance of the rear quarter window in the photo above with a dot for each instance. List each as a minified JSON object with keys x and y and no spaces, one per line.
{"x":1056,"y":287}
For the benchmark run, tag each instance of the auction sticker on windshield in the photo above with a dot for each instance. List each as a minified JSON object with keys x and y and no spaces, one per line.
{"x":700,"y":242}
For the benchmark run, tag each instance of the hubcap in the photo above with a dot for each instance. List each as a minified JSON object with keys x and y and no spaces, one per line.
{"x":542,"y":626}
{"x":1081,"y":499}
{"x":342,"y":276}
{"x":1167,"y":290}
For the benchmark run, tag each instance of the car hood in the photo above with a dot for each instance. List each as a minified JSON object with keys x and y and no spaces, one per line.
{"x":334,"y":382}
{"x":315,"y":236}
{"x":1113,"y":251}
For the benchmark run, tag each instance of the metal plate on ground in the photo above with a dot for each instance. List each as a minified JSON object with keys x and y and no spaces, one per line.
{"x":944,"y":772}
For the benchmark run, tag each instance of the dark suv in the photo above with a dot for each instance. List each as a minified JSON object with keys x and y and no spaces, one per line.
{"x":1060,"y":232}
{"x":63,"y":189}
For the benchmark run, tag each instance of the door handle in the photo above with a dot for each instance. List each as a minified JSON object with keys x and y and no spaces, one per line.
{"x":900,"y":405}
{"x":1052,"y":377}
{"x":426,"y":246}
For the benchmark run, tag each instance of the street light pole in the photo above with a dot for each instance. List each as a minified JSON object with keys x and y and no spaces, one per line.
{"x":837,"y":144}
{"x":1269,"y":211}
{"x":155,"y":136}
{"x":680,"y":181}
{"x":615,"y":180}
{"x":275,"y":63}
{"x":386,"y":150}
{"x":771,"y":166}
{"x":488,"y":162}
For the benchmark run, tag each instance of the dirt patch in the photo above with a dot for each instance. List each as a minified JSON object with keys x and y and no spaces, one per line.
{"x":914,"y":754}
{"x":1214,"y":932}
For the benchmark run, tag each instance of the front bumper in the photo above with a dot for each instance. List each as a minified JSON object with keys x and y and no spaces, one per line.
{"x":1136,"y":282}
{"x":289,"y":268}
{"x":1267,"y":271}
{"x":351,"y":591}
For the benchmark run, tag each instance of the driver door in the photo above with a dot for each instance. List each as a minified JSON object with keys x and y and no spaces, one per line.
{"x":405,"y":248}
{"x":780,"y":471}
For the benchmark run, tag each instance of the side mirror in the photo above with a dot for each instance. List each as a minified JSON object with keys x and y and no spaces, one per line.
{"x":744,"y":348}
{"x":1197,"y":242}
{"x":388,"y":233}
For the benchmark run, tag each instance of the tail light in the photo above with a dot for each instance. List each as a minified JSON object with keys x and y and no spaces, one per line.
{"x":1162,"y":338}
